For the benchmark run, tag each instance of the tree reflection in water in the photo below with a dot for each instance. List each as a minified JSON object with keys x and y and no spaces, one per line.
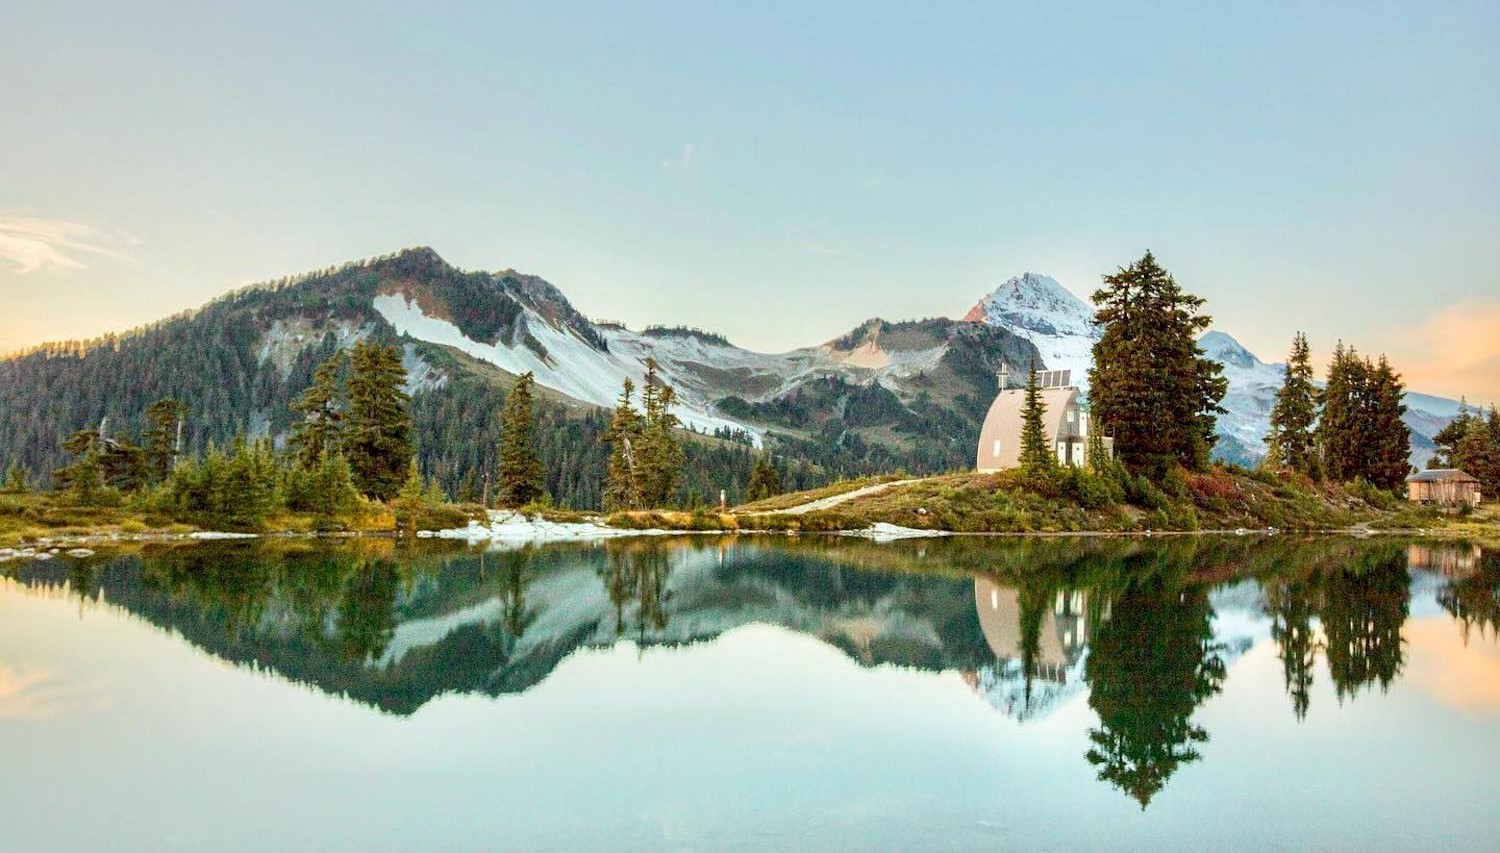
{"x":1292,"y":605}
{"x":1151,"y":664}
{"x":1031,"y":624}
{"x":366,"y":615}
{"x":1364,"y":606}
{"x":637,"y":573}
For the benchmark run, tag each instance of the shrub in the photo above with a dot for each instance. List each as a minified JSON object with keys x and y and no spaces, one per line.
{"x":1175,"y":482}
{"x":1145,"y":494}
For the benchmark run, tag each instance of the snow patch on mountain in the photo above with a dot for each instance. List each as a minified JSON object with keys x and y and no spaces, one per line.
{"x":1252,"y":391}
{"x":570,"y":366}
{"x":1039,"y":309}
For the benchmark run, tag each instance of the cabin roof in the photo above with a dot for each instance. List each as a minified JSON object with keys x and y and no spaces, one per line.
{"x":1442,"y":475}
{"x":1005,"y":422}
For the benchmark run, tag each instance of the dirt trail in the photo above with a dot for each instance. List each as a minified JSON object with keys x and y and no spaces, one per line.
{"x":829,"y":502}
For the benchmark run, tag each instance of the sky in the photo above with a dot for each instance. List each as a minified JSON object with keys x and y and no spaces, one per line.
{"x":777,"y":172}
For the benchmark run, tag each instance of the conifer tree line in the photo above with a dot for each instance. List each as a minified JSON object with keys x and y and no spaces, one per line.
{"x":1349,"y":430}
{"x":1471,"y":442}
{"x":354,"y":440}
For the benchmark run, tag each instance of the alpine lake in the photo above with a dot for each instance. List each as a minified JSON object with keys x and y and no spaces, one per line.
{"x":747,"y":694}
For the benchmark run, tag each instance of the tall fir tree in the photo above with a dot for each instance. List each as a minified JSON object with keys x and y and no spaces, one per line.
{"x":1150,"y":385}
{"x":1292,"y":442}
{"x":377,"y":439}
{"x":322,"y":409}
{"x":1036,"y":451}
{"x":1448,"y":439}
{"x":1339,"y":430}
{"x":1390,"y":448}
{"x":522,"y":479}
{"x":337,"y":494}
{"x":84,"y":478}
{"x":1361,"y":434}
{"x":661,"y":453}
{"x":162,"y":438}
{"x":622,"y":482}
{"x":765,"y":481}
{"x":17,"y":479}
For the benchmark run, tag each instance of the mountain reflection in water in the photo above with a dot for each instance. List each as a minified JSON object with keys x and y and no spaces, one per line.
{"x":1145,"y":629}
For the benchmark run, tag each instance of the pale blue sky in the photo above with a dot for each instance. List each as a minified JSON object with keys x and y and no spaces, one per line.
{"x":778,"y":173}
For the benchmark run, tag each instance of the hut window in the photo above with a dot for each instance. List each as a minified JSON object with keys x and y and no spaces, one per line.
{"x":997,"y":448}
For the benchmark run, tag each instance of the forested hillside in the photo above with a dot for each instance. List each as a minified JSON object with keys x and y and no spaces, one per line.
{"x":239,"y":362}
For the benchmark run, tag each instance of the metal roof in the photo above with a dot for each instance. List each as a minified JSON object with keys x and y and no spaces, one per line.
{"x":1441,"y":475}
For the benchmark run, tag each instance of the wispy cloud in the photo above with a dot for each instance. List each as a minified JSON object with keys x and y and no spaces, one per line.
{"x":688,"y":160}
{"x":1456,"y":350}
{"x":33,"y":243}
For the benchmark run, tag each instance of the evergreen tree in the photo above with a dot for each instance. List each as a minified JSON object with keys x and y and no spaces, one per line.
{"x":522,"y":477}
{"x":1339,"y":430}
{"x":246,"y":492}
{"x":1291,"y":442}
{"x":1451,"y":436}
{"x":1036,"y":452}
{"x":622,"y":485}
{"x":85,"y":476}
{"x":17,"y":479}
{"x":238,"y":489}
{"x":1360,"y":433}
{"x":410,"y":501}
{"x":1150,"y":385}
{"x":1471,"y":442}
{"x":337,"y":494}
{"x":1390,"y":448}
{"x":321,"y":407}
{"x":661,"y":455}
{"x":765,"y":481}
{"x":377,"y":438}
{"x":160,"y":439}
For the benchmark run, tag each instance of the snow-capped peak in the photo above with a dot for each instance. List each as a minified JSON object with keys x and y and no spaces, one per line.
{"x":1037,"y":303}
{"x":1224,"y":349}
{"x":1038,"y":308}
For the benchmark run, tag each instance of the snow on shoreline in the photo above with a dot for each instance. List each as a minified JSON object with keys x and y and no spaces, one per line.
{"x":515,"y":527}
{"x":882,"y":532}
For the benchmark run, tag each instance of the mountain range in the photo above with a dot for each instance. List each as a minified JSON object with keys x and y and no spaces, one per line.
{"x":1061,"y":326}
{"x":885,"y":394}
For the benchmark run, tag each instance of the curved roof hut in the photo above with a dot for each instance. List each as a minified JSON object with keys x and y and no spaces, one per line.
{"x":1064,"y":422}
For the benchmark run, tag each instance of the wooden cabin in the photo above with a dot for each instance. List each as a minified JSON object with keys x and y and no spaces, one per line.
{"x":1445,"y":487}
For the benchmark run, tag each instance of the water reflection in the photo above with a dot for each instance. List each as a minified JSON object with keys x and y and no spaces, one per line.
{"x":1146,"y":631}
{"x":1153,"y":663}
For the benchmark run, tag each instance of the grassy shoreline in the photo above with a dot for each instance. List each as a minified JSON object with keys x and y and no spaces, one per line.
{"x":1222,"y":501}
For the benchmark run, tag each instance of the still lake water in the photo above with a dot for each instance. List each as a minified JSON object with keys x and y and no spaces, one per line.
{"x":777,"y":694}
